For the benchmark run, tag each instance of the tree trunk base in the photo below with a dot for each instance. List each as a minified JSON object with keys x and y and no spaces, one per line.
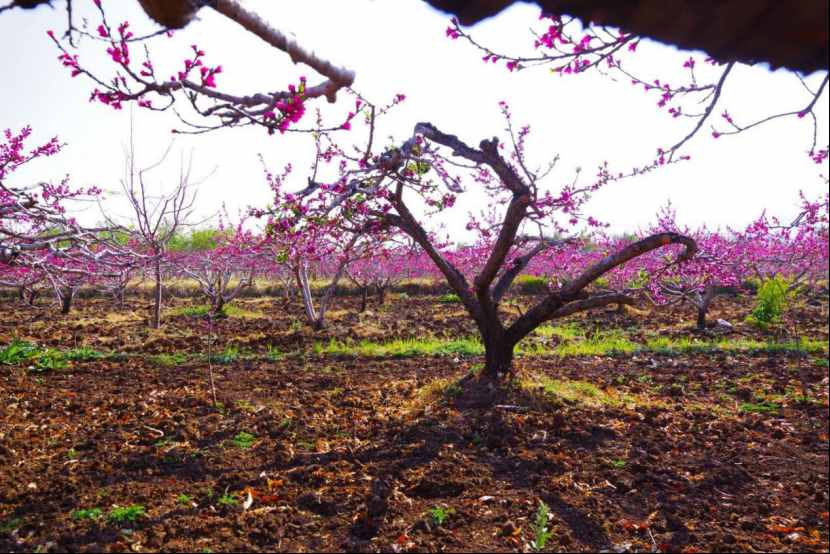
{"x":480,"y":391}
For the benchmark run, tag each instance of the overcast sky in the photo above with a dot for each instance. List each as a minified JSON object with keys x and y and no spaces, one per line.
{"x":400,"y":46}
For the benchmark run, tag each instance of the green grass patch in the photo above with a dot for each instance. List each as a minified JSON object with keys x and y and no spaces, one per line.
{"x":167,"y":359}
{"x":402,"y":348}
{"x":576,"y":343}
{"x":199,"y":310}
{"x":600,"y":344}
{"x":570,"y":331}
{"x":450,"y":298}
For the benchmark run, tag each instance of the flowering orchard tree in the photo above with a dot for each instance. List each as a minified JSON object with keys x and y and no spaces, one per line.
{"x":797,"y":250}
{"x":136,"y":79}
{"x":304,"y":230}
{"x":39,"y":241}
{"x":234,"y":259}
{"x":387,"y":264}
{"x":437,"y":168}
{"x":720,"y":268}
{"x":566,"y":47}
{"x":24,"y":279}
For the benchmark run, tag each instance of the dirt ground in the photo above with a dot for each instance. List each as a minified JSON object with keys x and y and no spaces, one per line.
{"x":724,"y":450}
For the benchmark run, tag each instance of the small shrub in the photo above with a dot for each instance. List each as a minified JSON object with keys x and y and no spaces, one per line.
{"x":771,"y":302}
{"x":450,"y":298}
{"x":184,"y":499}
{"x":121,"y":514}
{"x":227,"y":500}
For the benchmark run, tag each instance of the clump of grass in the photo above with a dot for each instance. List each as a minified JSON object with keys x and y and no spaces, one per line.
{"x":450,"y":298}
{"x":122,"y":514}
{"x":227,"y":356}
{"x":227,"y":500}
{"x":184,"y":499}
{"x":166,"y":359}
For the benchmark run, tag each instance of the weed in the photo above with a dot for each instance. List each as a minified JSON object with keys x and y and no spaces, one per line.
{"x":227,"y":356}
{"x":617,"y":464}
{"x":17,"y":352}
{"x":48,"y":360}
{"x":440,"y":514}
{"x":71,"y":454}
{"x":83,"y":354}
{"x":541,"y":532}
{"x":244,"y":440}
{"x":450,"y":298}
{"x":273,"y":353}
{"x":184,"y":499}
{"x":763,"y":407}
{"x":89,"y":513}
{"x":10,"y":525}
{"x":245,"y":405}
{"x":227,"y":500}
{"x":121,"y":514}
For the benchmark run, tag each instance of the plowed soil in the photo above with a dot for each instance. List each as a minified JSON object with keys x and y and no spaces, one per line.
{"x":716,"y":451}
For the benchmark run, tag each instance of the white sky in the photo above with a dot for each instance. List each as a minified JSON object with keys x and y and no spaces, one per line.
{"x":399,"y":46}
